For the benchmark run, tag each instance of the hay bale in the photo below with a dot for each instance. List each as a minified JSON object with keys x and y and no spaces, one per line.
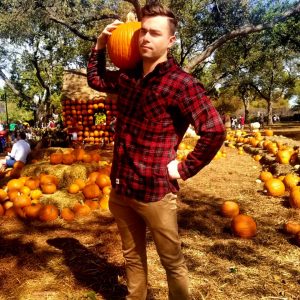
{"x":65,"y":173}
{"x":62,"y":198}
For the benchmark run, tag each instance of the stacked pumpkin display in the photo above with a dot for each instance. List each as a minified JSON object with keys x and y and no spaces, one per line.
{"x":21,"y":197}
{"x":82,"y":117}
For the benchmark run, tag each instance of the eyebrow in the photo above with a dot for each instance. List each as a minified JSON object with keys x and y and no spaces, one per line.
{"x":151,"y":30}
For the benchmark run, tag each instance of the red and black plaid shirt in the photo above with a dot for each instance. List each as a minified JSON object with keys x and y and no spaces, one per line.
{"x":153,"y":114}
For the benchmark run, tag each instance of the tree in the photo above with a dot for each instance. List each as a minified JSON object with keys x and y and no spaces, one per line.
{"x":58,"y":34}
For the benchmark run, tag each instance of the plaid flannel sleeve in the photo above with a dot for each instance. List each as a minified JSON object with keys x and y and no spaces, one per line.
{"x":201,"y":113}
{"x":98,"y":77}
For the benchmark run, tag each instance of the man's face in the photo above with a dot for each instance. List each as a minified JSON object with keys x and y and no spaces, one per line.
{"x":155,"y":38}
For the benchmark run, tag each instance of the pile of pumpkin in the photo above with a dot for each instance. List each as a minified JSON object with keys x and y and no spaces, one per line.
{"x":184,"y":148}
{"x":242,"y":225}
{"x":70,"y":156}
{"x":279,"y":187}
{"x":80,"y":116}
{"x":26,"y":196}
{"x":283,"y":153}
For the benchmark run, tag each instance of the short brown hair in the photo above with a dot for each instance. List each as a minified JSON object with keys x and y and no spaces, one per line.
{"x":153,"y":10}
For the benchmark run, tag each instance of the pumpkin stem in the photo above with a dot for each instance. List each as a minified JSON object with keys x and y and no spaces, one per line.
{"x":131,"y":17}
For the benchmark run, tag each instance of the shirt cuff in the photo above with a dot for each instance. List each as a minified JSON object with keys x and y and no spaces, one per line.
{"x":183,"y":172}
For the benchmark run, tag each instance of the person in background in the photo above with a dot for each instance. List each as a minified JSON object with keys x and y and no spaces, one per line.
{"x":19,"y":151}
{"x":241,"y":122}
{"x":261,"y":120}
{"x":51,"y":123}
{"x":157,"y":101}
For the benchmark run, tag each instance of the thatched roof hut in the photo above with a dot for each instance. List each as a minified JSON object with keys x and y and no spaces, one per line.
{"x":75,"y":86}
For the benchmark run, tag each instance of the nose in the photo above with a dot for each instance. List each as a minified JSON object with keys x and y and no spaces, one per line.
{"x":144,"y":37}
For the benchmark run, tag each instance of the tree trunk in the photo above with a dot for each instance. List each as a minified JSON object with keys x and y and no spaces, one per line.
{"x":270,"y":112}
{"x":246,"y":108}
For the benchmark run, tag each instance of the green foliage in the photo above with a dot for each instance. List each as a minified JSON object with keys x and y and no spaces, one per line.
{"x":39,"y":39}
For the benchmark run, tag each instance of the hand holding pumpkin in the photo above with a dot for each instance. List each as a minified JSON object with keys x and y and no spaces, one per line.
{"x":104,"y":35}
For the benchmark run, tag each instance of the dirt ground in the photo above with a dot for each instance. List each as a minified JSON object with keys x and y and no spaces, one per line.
{"x":83,"y":260}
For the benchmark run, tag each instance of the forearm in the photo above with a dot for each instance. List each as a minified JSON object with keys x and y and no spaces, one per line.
{"x":97,"y":76}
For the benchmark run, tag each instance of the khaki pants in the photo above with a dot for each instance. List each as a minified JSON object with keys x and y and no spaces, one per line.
{"x":160,"y":217}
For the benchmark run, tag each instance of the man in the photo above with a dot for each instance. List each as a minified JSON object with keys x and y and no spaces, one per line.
{"x":19,"y":151}
{"x":156,"y":103}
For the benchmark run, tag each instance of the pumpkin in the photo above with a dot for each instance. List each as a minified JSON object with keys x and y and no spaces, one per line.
{"x":91,"y":191}
{"x":230,"y":209}
{"x":48,"y":212}
{"x":103,"y":180}
{"x":104,"y":202}
{"x":243,"y":226}
{"x":20,"y":212}
{"x":181,"y":146}
{"x":73,"y":188}
{"x":87,"y":158}
{"x":13,"y":194}
{"x":265,"y":175}
{"x":283,"y":156}
{"x":8,"y":204}
{"x":23,"y":179}
{"x":106,"y":190}
{"x":19,"y":164}
{"x":122,"y":45}
{"x":290,"y":180}
{"x":1,"y":210}
{"x":56,"y":158}
{"x":268,"y":132}
{"x":11,"y":213}
{"x":78,"y":153}
{"x":13,"y":173}
{"x":92,"y":177}
{"x":14,"y":184}
{"x":80,"y":182}
{"x":22,"y":201}
{"x":25,"y":190}
{"x":275,"y":187}
{"x":257,"y":157}
{"x":105,"y":170}
{"x":32,"y":182}
{"x":292,"y":227}
{"x":294,"y":198}
{"x":36,"y":194}
{"x":32,"y":211}
{"x":3,"y":195}
{"x":81,"y":210}
{"x":47,"y":178}
{"x":67,"y":214}
{"x":92,"y":204}
{"x":48,"y":188}
{"x":68,"y":158}
{"x":95,"y":156}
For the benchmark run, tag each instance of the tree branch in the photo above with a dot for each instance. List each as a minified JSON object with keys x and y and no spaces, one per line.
{"x":242,"y":31}
{"x":13,"y":88}
{"x":55,"y":19}
{"x":137,"y":8}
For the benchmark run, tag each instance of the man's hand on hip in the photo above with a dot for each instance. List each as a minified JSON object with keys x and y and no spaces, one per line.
{"x":173,"y":169}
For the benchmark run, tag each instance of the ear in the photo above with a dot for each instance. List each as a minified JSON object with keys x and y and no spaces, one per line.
{"x":172,"y":40}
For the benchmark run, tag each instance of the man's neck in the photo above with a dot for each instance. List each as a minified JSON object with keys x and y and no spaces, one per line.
{"x":149,"y":65}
